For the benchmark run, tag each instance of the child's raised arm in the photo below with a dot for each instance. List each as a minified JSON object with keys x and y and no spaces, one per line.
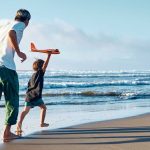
{"x":46,"y":62}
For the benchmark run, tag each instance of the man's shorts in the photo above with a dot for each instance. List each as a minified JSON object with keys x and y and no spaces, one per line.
{"x":9,"y":85}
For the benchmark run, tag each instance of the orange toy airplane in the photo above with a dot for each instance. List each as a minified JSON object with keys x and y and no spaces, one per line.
{"x":53,"y":51}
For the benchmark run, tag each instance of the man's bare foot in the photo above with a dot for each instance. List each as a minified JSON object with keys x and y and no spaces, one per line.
{"x":11,"y":136}
{"x":44,"y":125}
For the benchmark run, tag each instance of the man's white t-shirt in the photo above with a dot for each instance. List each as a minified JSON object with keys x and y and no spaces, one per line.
{"x":6,"y":50}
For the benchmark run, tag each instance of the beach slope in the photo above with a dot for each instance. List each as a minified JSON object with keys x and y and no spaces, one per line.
{"x":122,"y":134}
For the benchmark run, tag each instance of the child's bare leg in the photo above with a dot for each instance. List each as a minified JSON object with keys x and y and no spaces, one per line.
{"x":22,"y":116}
{"x":43,"y":114}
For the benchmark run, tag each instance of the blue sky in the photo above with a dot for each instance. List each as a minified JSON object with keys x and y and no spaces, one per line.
{"x":92,"y":34}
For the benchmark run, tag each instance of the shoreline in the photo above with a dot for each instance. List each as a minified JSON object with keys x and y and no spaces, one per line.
{"x":111,"y":120}
{"x":65,"y":120}
{"x":110,"y":134}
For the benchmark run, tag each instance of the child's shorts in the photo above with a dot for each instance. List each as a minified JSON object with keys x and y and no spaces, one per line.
{"x":34,"y":103}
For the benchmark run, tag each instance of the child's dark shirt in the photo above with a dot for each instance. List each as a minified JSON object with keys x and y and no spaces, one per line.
{"x":35,"y":86}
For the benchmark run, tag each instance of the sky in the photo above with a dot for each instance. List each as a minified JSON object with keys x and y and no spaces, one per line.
{"x":91,"y":34}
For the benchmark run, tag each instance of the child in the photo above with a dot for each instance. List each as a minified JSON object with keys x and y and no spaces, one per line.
{"x":34,"y":91}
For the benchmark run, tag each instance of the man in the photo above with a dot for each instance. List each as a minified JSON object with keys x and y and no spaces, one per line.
{"x":8,"y":76}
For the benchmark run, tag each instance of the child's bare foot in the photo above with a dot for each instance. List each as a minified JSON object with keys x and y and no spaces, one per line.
{"x":44,"y":125}
{"x":19,"y":130}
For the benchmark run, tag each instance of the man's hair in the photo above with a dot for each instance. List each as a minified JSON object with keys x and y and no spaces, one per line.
{"x":38,"y":64}
{"x":22,"y":15}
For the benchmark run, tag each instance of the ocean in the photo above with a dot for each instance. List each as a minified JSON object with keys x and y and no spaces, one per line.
{"x":77,"y":97}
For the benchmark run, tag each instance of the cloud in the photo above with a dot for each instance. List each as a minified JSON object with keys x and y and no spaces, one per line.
{"x":80,"y":50}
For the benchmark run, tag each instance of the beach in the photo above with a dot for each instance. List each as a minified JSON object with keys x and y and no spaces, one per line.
{"x":132,"y":133}
{"x":90,"y":98}
{"x":95,"y":95}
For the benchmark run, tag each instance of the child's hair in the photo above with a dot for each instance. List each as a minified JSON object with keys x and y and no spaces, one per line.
{"x":38,"y":64}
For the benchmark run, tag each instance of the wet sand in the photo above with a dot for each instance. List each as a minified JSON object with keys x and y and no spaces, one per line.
{"x":131,"y":133}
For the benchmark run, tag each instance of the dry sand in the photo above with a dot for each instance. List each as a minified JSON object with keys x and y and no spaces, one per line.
{"x":123,"y":134}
